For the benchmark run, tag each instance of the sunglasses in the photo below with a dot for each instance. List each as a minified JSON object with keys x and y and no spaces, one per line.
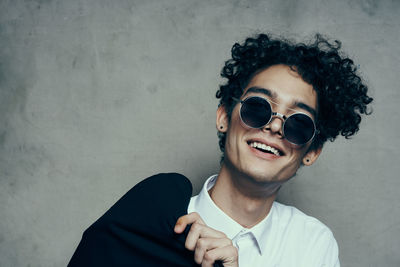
{"x":256,"y":112}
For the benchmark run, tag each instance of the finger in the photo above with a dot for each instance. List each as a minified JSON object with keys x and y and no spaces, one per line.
{"x":205,"y":244}
{"x":183,"y":221}
{"x":197,"y":231}
{"x":228,"y":255}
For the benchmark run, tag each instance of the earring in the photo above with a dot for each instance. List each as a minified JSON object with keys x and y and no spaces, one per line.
{"x":221,"y":127}
{"x":308,"y":160}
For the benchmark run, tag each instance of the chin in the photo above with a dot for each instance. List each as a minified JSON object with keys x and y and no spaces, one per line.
{"x":261,"y":177}
{"x":267,"y":175}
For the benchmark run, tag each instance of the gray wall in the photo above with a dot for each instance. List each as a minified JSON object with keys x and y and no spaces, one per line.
{"x":77,"y":129}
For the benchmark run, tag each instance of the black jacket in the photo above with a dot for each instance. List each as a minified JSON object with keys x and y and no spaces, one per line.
{"x":139,"y":229}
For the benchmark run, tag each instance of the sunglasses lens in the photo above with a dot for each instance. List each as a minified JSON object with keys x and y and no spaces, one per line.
{"x":299,"y":129}
{"x":255,"y":112}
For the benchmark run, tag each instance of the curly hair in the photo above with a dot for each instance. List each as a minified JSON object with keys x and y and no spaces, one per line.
{"x":342,"y":95}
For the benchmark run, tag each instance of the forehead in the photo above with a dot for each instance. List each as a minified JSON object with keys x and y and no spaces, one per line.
{"x":286,"y":86}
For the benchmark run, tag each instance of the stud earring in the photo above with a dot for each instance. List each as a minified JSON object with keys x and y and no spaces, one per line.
{"x":221,"y":127}
{"x":308,"y":160}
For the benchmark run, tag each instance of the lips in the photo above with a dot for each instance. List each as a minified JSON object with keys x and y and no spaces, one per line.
{"x":265,"y":147}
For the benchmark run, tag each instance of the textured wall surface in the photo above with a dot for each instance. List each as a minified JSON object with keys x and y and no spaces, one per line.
{"x":97,"y":95}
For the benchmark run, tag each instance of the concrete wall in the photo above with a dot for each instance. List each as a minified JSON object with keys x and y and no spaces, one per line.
{"x":97,"y":95}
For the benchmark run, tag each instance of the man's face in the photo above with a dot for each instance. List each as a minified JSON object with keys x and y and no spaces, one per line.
{"x":290,"y":94}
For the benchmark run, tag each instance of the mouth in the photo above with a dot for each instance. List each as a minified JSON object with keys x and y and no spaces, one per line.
{"x":265,"y":148}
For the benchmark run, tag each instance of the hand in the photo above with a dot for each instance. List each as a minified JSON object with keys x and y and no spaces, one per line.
{"x":209,"y":245}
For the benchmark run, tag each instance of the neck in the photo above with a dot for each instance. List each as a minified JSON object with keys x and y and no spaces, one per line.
{"x":242,"y":198}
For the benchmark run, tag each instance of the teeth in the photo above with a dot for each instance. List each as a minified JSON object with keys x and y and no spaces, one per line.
{"x":265,"y":147}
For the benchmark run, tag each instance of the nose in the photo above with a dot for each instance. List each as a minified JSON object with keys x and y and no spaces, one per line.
{"x":276,"y":124}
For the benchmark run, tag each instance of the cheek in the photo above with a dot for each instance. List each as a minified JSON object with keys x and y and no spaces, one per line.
{"x":297,"y":152}
{"x":231,"y":140}
{"x":295,"y":162}
{"x":234,"y":136}
{"x":296,"y":156}
{"x":290,"y":170}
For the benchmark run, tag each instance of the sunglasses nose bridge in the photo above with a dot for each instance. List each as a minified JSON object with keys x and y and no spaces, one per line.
{"x":279,"y":115}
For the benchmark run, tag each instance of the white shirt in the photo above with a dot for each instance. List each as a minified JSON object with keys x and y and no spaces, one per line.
{"x":286,"y":237}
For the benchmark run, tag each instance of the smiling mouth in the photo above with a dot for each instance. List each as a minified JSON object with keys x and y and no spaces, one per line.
{"x":265,"y":148}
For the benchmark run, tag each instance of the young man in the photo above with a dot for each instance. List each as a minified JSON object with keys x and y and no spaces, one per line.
{"x":282,"y":101}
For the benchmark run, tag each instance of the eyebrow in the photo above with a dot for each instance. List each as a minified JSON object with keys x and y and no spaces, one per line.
{"x":260,"y":90}
{"x":273,"y":95}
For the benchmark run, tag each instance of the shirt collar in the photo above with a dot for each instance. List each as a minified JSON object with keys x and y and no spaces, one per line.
{"x":262,"y":230}
{"x":215,"y":218}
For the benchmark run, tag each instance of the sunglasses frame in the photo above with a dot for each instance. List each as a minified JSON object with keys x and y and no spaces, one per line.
{"x":284,"y":118}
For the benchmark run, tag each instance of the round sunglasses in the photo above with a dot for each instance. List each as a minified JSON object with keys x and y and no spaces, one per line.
{"x":256,"y":112}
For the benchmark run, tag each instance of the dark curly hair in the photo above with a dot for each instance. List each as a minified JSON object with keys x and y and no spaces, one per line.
{"x":342,"y":95}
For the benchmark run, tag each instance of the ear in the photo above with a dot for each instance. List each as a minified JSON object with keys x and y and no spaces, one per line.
{"x":311,"y":156}
{"x":222,"y":119}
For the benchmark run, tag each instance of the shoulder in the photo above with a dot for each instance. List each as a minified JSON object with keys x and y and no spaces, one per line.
{"x":292,"y":216}
{"x":303,"y":227}
{"x":305,"y":236}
